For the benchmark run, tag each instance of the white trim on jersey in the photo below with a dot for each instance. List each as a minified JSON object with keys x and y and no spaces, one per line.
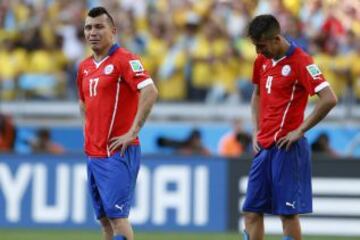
{"x":321,"y":86}
{"x":286,"y":111}
{"x":113,"y":115}
{"x":97,"y":64}
{"x":274,"y":62}
{"x":144,"y":83}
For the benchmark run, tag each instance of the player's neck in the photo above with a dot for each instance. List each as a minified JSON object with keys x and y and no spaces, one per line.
{"x":284,"y":47}
{"x":101,"y":54}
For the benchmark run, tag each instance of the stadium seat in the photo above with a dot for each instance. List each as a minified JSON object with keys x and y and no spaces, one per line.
{"x":38,"y":85}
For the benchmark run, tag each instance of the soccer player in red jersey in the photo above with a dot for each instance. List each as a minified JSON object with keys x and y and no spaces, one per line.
{"x":116,"y":95}
{"x":280,"y":176}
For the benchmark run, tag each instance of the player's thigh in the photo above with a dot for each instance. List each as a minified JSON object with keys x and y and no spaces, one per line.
{"x":291,"y":179}
{"x":118,"y":179}
{"x":258,"y":193}
{"x":94,"y":192}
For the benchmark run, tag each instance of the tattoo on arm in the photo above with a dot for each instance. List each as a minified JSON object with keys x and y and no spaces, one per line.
{"x":147,"y":99}
{"x":143,"y":119}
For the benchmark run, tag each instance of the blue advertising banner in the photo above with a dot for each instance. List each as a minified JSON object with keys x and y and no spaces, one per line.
{"x":173,"y":193}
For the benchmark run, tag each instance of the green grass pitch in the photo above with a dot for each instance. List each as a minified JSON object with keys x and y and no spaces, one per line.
{"x":95,"y":235}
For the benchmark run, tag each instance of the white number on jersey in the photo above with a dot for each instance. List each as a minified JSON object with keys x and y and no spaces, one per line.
{"x":268,"y":84}
{"x":93,"y":86}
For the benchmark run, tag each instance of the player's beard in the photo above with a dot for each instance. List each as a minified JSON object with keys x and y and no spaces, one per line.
{"x":268,"y":55}
{"x":95,"y":45}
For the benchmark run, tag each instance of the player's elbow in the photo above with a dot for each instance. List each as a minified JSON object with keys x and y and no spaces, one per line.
{"x":332,"y":101}
{"x":154,"y":92}
{"x":329,"y":98}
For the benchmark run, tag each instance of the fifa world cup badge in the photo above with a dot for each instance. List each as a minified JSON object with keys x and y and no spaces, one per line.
{"x":136,"y":66}
{"x":313,"y":70}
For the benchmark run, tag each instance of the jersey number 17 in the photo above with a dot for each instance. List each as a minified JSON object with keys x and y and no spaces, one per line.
{"x":93,"y":86}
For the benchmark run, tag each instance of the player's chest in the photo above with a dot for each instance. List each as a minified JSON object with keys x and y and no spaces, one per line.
{"x":277,"y":79}
{"x":100,"y":80}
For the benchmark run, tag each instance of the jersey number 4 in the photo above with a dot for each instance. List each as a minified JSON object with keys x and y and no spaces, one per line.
{"x":93,"y":86}
{"x":268,"y":84}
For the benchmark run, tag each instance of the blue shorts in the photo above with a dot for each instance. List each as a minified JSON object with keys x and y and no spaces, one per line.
{"x":280,"y":181}
{"x":111,"y":182}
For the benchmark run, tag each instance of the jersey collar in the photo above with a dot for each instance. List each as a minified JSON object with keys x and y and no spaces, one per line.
{"x":111,"y":51}
{"x":113,"y":48}
{"x":288,"y":53}
{"x":291,"y":49}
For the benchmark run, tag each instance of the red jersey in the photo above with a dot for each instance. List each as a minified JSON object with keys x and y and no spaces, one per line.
{"x":110,"y":92}
{"x":284,"y":86}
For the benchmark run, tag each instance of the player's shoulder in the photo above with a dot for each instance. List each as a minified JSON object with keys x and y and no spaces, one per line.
{"x":300,"y":55}
{"x":125,"y":54}
{"x":260,"y":59}
{"x":85,"y":61}
{"x":125,"y":57}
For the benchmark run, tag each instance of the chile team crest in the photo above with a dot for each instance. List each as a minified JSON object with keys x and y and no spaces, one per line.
{"x":285,"y":71}
{"x":109,"y":69}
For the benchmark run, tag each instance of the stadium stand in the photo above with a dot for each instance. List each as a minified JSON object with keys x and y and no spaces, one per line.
{"x":196,"y":50}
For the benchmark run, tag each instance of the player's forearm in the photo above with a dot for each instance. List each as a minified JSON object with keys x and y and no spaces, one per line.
{"x":255,"y":109}
{"x":319,"y":112}
{"x":82,"y":109}
{"x":326,"y":102}
{"x":148,"y":97}
{"x":82,"y":112}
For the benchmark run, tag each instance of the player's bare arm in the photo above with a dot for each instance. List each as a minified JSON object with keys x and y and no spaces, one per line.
{"x":82,"y":108}
{"x":327,"y":100}
{"x":82,"y":112}
{"x":148,"y":96}
{"x":255,"y":116}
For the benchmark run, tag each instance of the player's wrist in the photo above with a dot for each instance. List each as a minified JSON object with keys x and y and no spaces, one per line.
{"x":134,"y":132}
{"x":302,"y":130}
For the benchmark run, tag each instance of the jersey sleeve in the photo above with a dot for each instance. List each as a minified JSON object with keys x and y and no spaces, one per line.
{"x":310,"y":76}
{"x":79,"y":77}
{"x":257,"y":70}
{"x":134,"y":73}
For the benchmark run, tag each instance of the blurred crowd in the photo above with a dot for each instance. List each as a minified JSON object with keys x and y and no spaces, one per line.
{"x":41,"y":142}
{"x":195,"y":50}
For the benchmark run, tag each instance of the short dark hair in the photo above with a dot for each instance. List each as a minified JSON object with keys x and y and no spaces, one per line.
{"x":98,"y":11}
{"x":263,"y":27}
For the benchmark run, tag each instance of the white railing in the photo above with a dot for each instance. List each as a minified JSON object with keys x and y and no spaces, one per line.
{"x":161,"y":111}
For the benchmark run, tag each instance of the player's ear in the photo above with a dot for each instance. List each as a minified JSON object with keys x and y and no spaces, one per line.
{"x":113,"y":30}
{"x":277,"y":38}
